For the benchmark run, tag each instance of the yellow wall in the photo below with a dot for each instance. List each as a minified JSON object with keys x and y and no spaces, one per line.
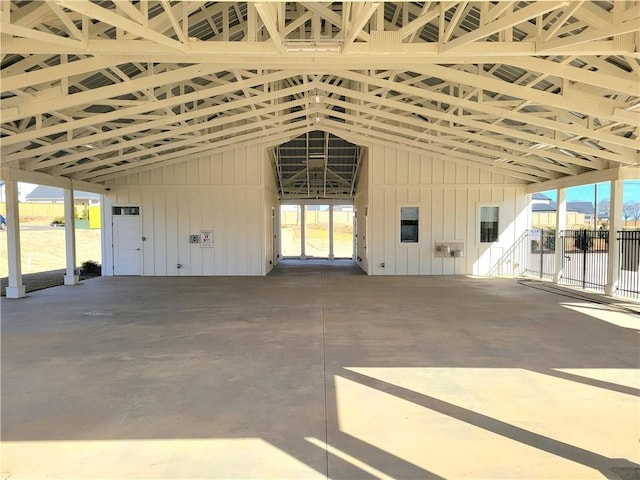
{"x":548,"y":219}
{"x":37,"y":209}
{"x":53,"y":210}
{"x":94,"y":216}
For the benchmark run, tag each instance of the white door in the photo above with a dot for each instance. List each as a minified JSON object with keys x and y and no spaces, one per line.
{"x":127,"y":244}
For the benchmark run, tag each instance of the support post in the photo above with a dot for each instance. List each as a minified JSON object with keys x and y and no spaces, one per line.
{"x":71,"y":277}
{"x":615,"y":225}
{"x":561,"y":225}
{"x":15,"y":289}
{"x":331,"y":232}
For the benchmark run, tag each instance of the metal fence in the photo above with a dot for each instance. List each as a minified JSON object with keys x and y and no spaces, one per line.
{"x":585,"y":256}
{"x":629,"y":273}
{"x":541,"y":253}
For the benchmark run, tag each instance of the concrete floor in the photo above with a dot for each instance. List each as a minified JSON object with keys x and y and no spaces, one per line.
{"x":317,"y":371}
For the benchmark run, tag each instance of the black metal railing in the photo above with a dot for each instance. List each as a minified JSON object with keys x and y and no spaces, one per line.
{"x":585,"y":255}
{"x":629,"y":266}
{"x":542,"y":252}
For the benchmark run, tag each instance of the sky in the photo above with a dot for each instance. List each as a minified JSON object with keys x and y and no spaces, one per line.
{"x":585,"y":193}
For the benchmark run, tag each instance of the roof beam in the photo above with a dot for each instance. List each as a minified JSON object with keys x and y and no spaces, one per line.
{"x":150,"y":138}
{"x":559,"y":22}
{"x":271,"y":14}
{"x":514,"y":115}
{"x":29,"y":108}
{"x":64,"y":18}
{"x":204,"y":140}
{"x":577,"y":180}
{"x":145,"y":107}
{"x":594,"y":106}
{"x":191,"y":153}
{"x":40,"y":178}
{"x":502,"y":23}
{"x":132,"y":12}
{"x":174,"y":22}
{"x":598,"y":79}
{"x":527,"y":155}
{"x":55,"y":41}
{"x":424,"y":18}
{"x":444,"y":146}
{"x":590,"y":35}
{"x":248,"y":54}
{"x":362,"y":13}
{"x":105,"y":15}
{"x":57,"y":72}
{"x":359,"y":135}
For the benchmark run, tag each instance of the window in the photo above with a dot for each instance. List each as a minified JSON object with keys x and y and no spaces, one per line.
{"x":409,"y":224}
{"x":125,"y":211}
{"x":489,"y":224}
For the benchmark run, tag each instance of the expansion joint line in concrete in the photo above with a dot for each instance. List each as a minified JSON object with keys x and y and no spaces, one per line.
{"x":324,"y":373}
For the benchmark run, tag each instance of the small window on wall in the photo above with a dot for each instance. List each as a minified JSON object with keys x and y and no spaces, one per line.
{"x":409,"y":224}
{"x":126,"y":210}
{"x":489,"y":224}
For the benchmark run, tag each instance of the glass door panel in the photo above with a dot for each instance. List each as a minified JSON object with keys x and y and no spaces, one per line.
{"x":343,"y":231}
{"x":290,"y":231}
{"x":316,"y":232}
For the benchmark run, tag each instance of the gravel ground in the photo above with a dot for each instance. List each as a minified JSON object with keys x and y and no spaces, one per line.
{"x":40,"y":280}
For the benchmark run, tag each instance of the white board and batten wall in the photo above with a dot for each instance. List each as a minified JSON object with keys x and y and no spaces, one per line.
{"x":234,"y":195}
{"x":222,"y":193}
{"x":449,"y":197}
{"x":361,"y":205}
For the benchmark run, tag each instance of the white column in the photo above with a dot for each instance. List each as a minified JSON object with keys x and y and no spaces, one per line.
{"x":561,"y":224}
{"x":331,"y":232}
{"x":615,"y":224}
{"x":70,"y":278}
{"x":15,"y":289}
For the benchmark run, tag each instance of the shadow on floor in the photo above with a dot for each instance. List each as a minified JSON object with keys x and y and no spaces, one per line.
{"x":40,"y":280}
{"x":342,"y":374}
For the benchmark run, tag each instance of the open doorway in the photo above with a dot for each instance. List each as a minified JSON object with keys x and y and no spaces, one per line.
{"x":317,"y":231}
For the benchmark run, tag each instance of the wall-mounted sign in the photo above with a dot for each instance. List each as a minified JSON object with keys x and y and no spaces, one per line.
{"x":206,"y":238}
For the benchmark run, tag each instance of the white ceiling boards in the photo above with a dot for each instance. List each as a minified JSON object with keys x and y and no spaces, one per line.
{"x":93,"y":90}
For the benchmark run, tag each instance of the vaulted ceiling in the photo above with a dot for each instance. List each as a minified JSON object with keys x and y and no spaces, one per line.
{"x":535,"y":90}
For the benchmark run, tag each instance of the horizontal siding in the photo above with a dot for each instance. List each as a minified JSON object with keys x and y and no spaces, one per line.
{"x":449,"y":197}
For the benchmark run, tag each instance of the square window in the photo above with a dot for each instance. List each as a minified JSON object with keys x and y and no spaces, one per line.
{"x":409,"y":217}
{"x":489,"y":224}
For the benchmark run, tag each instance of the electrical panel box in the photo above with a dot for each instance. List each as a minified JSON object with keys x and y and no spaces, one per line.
{"x":448,"y":249}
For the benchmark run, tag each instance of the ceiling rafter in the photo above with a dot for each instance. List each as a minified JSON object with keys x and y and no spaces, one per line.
{"x":499,"y":112}
{"x":163,"y":135}
{"x":192,"y":152}
{"x":534,"y":90}
{"x":107,"y":16}
{"x":477,"y":125}
{"x":221,"y":89}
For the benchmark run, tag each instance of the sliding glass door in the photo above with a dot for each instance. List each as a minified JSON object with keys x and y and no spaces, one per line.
{"x":290,"y":230}
{"x":316,"y":231}
{"x":343,"y":231}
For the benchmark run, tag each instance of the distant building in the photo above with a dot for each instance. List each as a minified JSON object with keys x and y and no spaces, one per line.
{"x":44,"y":194}
{"x":543,"y":211}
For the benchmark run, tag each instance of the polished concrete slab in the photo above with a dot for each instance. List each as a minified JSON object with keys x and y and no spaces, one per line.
{"x":318,"y":371}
